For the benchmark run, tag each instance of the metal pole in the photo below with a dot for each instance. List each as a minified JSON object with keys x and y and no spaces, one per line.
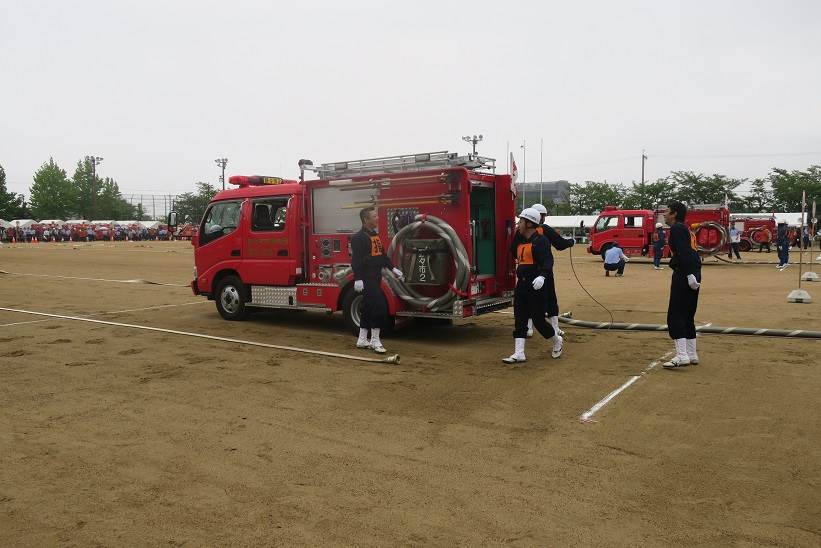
{"x":643,"y":158}
{"x":524,"y":173}
{"x":541,"y":170}
{"x":801,"y":237}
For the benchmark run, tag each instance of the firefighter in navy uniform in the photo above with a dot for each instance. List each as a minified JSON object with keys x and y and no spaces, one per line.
{"x":533,"y":268}
{"x":686,"y":280}
{"x":367,"y":261}
{"x":556,"y":240}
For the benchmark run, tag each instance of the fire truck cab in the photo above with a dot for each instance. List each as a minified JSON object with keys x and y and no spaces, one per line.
{"x":634,"y":229}
{"x":447,"y":221}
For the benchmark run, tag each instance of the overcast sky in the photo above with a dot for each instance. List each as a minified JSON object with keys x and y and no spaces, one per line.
{"x":162,"y":88}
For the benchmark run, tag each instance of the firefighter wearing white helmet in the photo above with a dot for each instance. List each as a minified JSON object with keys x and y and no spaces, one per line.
{"x":659,"y":239}
{"x":533,"y":267}
{"x":550,"y":291}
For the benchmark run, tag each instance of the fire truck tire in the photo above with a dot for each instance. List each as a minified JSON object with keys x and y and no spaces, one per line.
{"x":745,"y":246}
{"x":350,"y":311}
{"x":604,"y":249}
{"x":231,"y":297}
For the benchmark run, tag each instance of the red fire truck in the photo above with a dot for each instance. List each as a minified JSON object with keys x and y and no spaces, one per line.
{"x":276,"y":243}
{"x":756,"y":229}
{"x":633,"y":230}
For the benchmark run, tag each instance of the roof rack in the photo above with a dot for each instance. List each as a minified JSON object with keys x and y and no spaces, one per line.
{"x":407,"y":162}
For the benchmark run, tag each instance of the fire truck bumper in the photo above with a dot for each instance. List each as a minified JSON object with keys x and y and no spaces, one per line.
{"x":194,"y":287}
{"x":463,"y":309}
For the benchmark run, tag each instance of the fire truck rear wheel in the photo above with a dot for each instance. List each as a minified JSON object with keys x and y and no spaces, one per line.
{"x":745,"y":246}
{"x":350,"y":311}
{"x":231,"y":299}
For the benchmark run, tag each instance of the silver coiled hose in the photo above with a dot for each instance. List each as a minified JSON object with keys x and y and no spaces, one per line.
{"x":722,"y":230}
{"x":457,"y":252}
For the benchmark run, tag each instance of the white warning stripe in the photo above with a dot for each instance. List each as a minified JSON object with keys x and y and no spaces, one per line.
{"x":388,"y":359}
{"x":587,"y":415}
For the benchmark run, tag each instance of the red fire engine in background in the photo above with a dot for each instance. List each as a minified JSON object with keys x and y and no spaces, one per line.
{"x":275,"y":243}
{"x":633,"y":230}
{"x":756,"y":229}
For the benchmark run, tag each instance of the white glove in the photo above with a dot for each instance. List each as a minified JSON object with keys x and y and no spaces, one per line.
{"x":398,"y":274}
{"x":358,"y":286}
{"x":627,"y":259}
{"x":691,"y":280}
{"x":538,"y":282}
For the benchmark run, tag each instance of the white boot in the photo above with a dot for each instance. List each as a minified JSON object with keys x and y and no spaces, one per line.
{"x":558,"y":346}
{"x":518,"y":355}
{"x":376,"y":344}
{"x":681,"y":355}
{"x":362,"y":341}
{"x":554,"y":321}
{"x":691,"y":351}
{"x":529,"y":328}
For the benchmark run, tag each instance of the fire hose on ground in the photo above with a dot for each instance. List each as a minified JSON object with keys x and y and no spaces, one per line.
{"x":711,"y":329}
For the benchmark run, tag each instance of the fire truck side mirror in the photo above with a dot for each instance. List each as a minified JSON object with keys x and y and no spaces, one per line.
{"x":172,"y":219}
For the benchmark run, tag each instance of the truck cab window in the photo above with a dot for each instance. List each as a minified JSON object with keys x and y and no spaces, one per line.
{"x":633,"y":222}
{"x":269,"y":215}
{"x":605,"y":223}
{"x":221,"y":219}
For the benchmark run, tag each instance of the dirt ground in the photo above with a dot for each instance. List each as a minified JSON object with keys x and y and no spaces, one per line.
{"x":117,"y":436}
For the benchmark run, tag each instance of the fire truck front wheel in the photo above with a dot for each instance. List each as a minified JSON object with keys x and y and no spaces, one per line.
{"x":231,"y":298}
{"x":350,"y":311}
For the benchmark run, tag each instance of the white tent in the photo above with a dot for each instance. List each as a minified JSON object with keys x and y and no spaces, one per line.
{"x":22,"y":223}
{"x":125,"y":223}
{"x":76,"y":222}
{"x":150,"y":224}
{"x":4,"y":223}
{"x":52,"y":222}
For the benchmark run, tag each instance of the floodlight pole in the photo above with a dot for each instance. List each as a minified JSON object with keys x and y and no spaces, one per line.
{"x":222,"y":162}
{"x":94,"y":161}
{"x":476,"y":139}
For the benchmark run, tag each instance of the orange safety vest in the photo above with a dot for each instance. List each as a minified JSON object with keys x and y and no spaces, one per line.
{"x":524,"y":254}
{"x":376,"y":247}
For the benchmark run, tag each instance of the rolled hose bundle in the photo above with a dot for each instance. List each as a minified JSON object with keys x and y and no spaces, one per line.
{"x":724,"y":237}
{"x":457,"y":252}
{"x":761,"y":236}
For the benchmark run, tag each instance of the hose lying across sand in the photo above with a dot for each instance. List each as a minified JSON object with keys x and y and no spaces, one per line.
{"x":711,"y":329}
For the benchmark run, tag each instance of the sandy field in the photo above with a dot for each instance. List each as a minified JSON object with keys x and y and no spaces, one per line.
{"x":113,"y":436}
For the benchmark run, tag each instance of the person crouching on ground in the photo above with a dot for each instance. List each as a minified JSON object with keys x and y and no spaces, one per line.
{"x":367,"y":261}
{"x":532,"y":254}
{"x":615,"y":259}
{"x":686,"y":280}
{"x":559,"y":242}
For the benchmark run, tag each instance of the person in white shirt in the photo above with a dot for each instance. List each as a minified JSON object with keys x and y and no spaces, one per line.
{"x":615,"y":259}
{"x":735,"y":242}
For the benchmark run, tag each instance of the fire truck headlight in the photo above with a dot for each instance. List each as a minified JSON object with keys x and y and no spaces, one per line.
{"x":458,"y":308}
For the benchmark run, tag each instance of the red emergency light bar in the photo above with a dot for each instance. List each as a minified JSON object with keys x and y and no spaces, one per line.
{"x":256,"y":180}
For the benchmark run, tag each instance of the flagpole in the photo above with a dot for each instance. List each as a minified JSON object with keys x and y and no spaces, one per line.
{"x":541,"y":170}
{"x":524,"y":176}
{"x":801,"y":237}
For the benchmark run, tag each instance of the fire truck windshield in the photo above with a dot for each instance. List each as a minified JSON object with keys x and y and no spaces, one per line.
{"x":605,"y":223}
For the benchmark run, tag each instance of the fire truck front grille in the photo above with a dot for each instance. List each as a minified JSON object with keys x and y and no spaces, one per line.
{"x":262,"y":295}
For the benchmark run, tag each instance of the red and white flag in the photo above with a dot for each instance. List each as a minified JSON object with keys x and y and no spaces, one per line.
{"x":514,"y":175}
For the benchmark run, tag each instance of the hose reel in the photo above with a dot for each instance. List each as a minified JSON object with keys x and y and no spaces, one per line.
{"x":403,"y":244}
{"x":723,"y":237}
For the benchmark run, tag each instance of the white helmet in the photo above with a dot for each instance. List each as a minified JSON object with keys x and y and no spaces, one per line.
{"x":531,"y":214}
{"x":540,"y":208}
{"x":659,"y":225}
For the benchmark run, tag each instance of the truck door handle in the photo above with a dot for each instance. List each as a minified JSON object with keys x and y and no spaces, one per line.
{"x":235,"y":252}
{"x":282,"y":253}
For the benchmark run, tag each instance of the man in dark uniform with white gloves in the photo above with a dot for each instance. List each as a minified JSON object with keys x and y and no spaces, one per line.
{"x":367,"y":261}
{"x":533,"y":268}
{"x":560,"y":243}
{"x":686,"y":265}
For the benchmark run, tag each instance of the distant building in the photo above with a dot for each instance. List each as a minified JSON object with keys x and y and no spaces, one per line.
{"x":555,"y":192}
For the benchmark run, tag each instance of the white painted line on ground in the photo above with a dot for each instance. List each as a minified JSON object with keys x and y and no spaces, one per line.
{"x":587,"y":415}
{"x":111,"y":312}
{"x":137,"y":281}
{"x":388,"y":359}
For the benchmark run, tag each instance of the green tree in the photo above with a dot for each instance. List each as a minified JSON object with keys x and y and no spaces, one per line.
{"x":11,"y":204}
{"x":760,"y":197}
{"x":190,"y":206}
{"x":697,"y":188}
{"x":788,"y":186}
{"x":111,"y":204}
{"x":52,"y":195}
{"x":84,"y":190}
{"x":649,"y":195}
{"x":592,"y":196}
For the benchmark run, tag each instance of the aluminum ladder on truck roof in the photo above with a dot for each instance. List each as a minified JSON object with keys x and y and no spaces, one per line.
{"x":407,"y":162}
